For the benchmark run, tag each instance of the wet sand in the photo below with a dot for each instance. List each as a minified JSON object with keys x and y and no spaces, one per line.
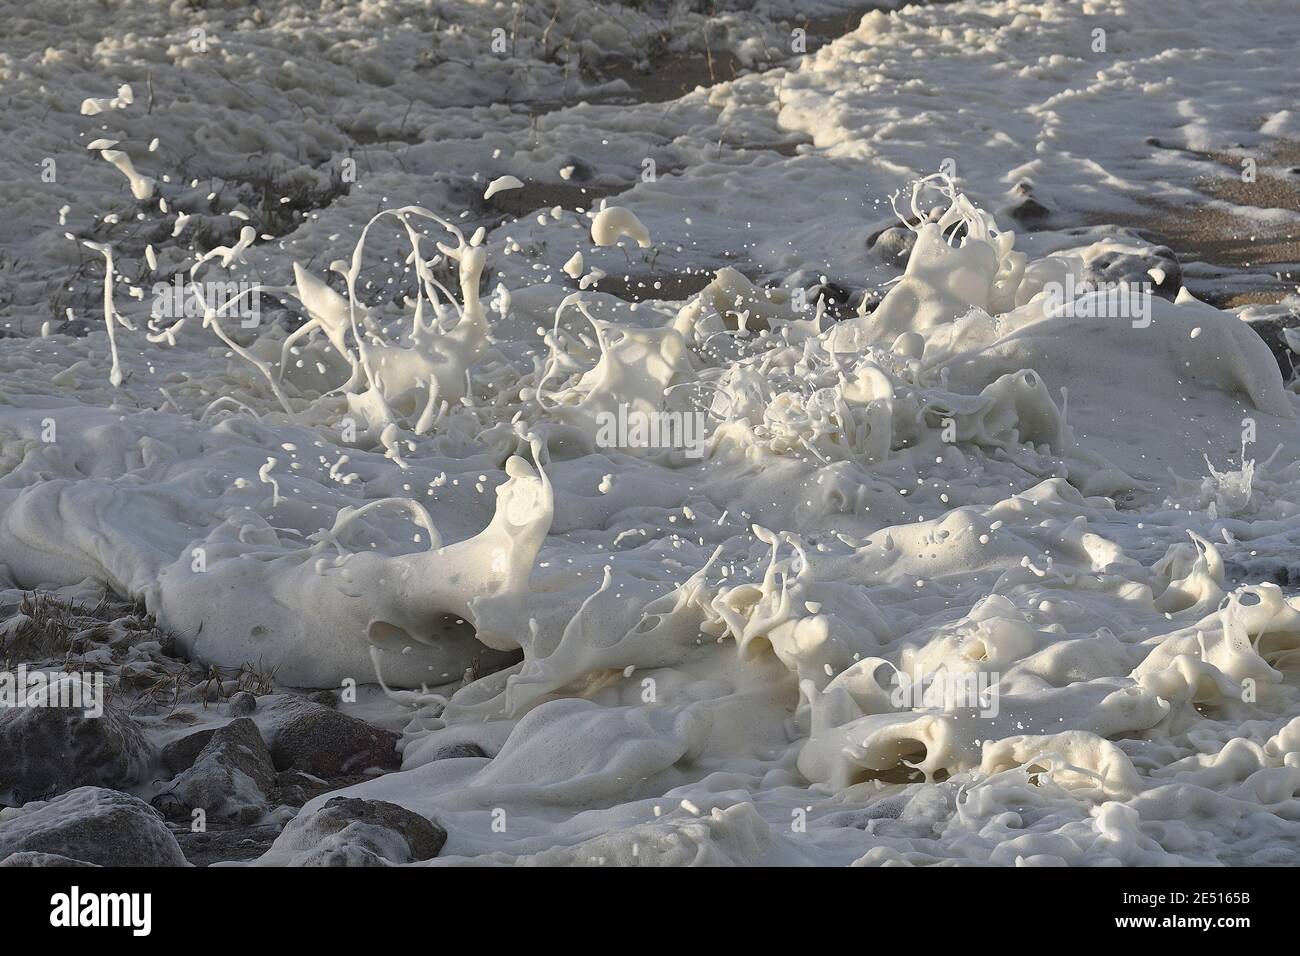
{"x":1213,"y":235}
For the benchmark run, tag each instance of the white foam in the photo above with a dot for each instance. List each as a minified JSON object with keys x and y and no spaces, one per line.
{"x":698,"y":654}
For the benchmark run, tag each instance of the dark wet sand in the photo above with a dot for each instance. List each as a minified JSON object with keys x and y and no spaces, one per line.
{"x":1220,"y":238}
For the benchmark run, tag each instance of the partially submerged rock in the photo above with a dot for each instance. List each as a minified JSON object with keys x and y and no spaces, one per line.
{"x":318,"y":740}
{"x":45,"y":751}
{"x":294,"y":788}
{"x":221,"y":844}
{"x":34,"y":858}
{"x":348,"y":831}
{"x":91,"y":825}
{"x":230,"y":778}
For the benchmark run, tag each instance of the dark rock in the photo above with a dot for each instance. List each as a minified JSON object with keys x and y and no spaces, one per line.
{"x":46,"y":751}
{"x":1271,"y":331}
{"x":230,"y":778}
{"x":463,"y":749}
{"x":1026,"y":209}
{"x":241,"y":704}
{"x":223,"y":844}
{"x":1111,"y":268}
{"x":180,"y":754}
{"x":78,"y":328}
{"x":317,"y":740}
{"x":348,"y":831}
{"x":893,"y":245}
{"x":294,"y":788}
{"x":92,"y":825}
{"x":871,"y":298}
{"x":33,"y":858}
{"x":296,"y":778}
{"x":837,"y":298}
{"x":326,"y":698}
{"x":1028,"y":212}
{"x":582,"y":170}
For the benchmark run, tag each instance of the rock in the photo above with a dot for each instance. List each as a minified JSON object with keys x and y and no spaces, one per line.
{"x":326,"y":698}
{"x":1274,"y":333}
{"x":1025,"y":207}
{"x":294,"y":788}
{"x":893,"y":245}
{"x":77,"y":328}
{"x":296,"y":778}
{"x":223,"y":844}
{"x":1135,"y":267}
{"x":1028,"y":212}
{"x":45,"y":751}
{"x":231,"y":776}
{"x":180,"y":754}
{"x":463,"y":749}
{"x":582,"y":171}
{"x":32,"y":858}
{"x":871,"y":298}
{"x":91,"y":825}
{"x":837,"y":298}
{"x":348,"y":831}
{"x":241,"y":704}
{"x":313,"y":738}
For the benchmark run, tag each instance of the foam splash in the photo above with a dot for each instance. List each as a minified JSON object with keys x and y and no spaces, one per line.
{"x":895,"y":493}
